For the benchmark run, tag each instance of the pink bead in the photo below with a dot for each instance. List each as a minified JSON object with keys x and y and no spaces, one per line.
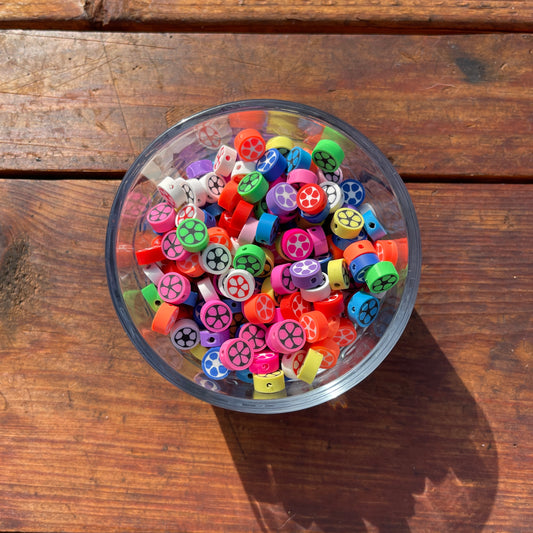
{"x":301,"y":176}
{"x":296,"y":244}
{"x":216,"y":315}
{"x":236,"y":354}
{"x":278,"y":317}
{"x":247,"y":234}
{"x":162,"y":217}
{"x":318,"y":238}
{"x":286,"y":336}
{"x":281,"y":280}
{"x":264,"y":363}
{"x":174,"y":288}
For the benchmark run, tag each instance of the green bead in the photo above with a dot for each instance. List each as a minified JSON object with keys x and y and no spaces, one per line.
{"x":253,"y":187}
{"x":152,"y":296}
{"x":327,"y":155}
{"x":250,"y":257}
{"x":192,"y":234}
{"x":260,"y":208}
{"x":381,"y":276}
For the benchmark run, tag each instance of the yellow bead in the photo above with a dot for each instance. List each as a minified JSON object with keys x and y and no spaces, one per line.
{"x":270,"y":263}
{"x":338,"y":275}
{"x":281,"y":143}
{"x":269,"y":396}
{"x":267,"y":289}
{"x":347,"y":223}
{"x":198,"y":351}
{"x":269,"y":383}
{"x":310,"y":366}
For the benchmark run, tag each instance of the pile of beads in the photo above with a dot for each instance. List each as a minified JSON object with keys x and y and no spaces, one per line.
{"x":256,"y":258}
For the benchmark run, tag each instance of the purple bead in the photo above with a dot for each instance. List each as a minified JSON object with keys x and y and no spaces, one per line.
{"x":210,"y":339}
{"x":199,"y":168}
{"x":306,"y":274}
{"x":281,"y":199}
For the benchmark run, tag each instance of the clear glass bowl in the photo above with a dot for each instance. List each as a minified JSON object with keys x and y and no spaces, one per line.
{"x":198,"y":137}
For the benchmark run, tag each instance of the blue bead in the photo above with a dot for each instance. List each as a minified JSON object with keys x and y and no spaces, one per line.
{"x":316,"y":219}
{"x":214,"y":209}
{"x":267,"y":229}
{"x":244,"y":375}
{"x":354,"y":192}
{"x":211,"y":365}
{"x":191,"y":299}
{"x":236,"y":307}
{"x":298,"y":158}
{"x":373,"y":226}
{"x":324,"y":260}
{"x":196,"y":312}
{"x":363,"y":308}
{"x":210,"y":220}
{"x":361,"y":264}
{"x":272,"y":165}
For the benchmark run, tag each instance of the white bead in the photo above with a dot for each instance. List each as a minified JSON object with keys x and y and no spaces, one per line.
{"x":172,"y":192}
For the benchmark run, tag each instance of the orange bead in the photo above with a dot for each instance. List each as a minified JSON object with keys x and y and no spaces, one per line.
{"x":259,"y":309}
{"x":358,"y":248}
{"x":330,"y":350}
{"x":165,"y":317}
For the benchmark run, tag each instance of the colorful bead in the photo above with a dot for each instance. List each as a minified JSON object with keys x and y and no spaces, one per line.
{"x":185,"y":334}
{"x":331,"y":306}
{"x":298,"y":158}
{"x":210,"y":339}
{"x":174,"y":288}
{"x":296,"y":244}
{"x":236,"y":354}
{"x":269,"y":383}
{"x":253,"y":187}
{"x":338,"y":274}
{"x":251,"y":258}
{"x":212,"y":366}
{"x":216,"y":315}
{"x":291,"y":363}
{"x":151,"y":296}
{"x":363,"y":308}
{"x":161,"y":217}
{"x":281,"y":279}
{"x":239,"y":284}
{"x":216,"y":259}
{"x":347,"y":223}
{"x":309,"y":368}
{"x":249,"y":144}
{"x":346,"y":333}
{"x":254,"y":334}
{"x":286,"y":336}
{"x":373,"y":226}
{"x":264,"y":363}
{"x":354,"y":192}
{"x":283,"y":144}
{"x":306,"y":274}
{"x":381,"y":277}
{"x":259,"y":309}
{"x":334,"y":194}
{"x":164,"y":318}
{"x":172,"y":192}
{"x":315,"y":325}
{"x":281,"y":199}
{"x":327,"y":155}
{"x":271,"y":165}
{"x":267,"y":229}
{"x":301,"y":176}
{"x":224,"y":161}
{"x":321,"y":292}
{"x":318,"y":238}
{"x":192,"y":233}
{"x":311,"y":199}
{"x":172,"y":247}
{"x":360,"y":265}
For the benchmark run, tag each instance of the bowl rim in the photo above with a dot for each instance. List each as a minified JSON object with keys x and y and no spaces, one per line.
{"x":343,"y":383}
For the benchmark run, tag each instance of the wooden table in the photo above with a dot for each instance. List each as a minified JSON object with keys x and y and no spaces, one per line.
{"x":438,"y":439}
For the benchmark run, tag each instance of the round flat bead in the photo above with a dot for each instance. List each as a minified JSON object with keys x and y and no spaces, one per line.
{"x":334,"y":194}
{"x":309,"y":368}
{"x":281,"y":199}
{"x":360,"y":265}
{"x":318,"y":238}
{"x":363,"y":308}
{"x":240,"y":170}
{"x":216,"y":315}
{"x":296,"y":244}
{"x":271,"y":165}
{"x":174,"y":288}
{"x":236,"y":354}
{"x":192,"y":233}
{"x":373,"y":226}
{"x":172,"y":192}
{"x":335,"y":176}
{"x":210,"y":339}
{"x":283,"y":144}
{"x":248,"y":231}
{"x":291,"y":363}
{"x":298,"y":158}
{"x":338,"y":274}
{"x":249,"y":144}
{"x":239,"y":285}
{"x":229,"y":197}
{"x":306,"y":274}
{"x":286,"y":337}
{"x":318,"y":293}
{"x":151,"y":296}
{"x":212,"y":366}
{"x":354,"y":192}
{"x":315,"y":325}
{"x":251,"y":258}
{"x":254,"y":334}
{"x":267,"y":229}
{"x":164,"y":318}
{"x":281,"y":279}
{"x":324,"y":261}
{"x":195,"y":192}
{"x":219,"y":236}
{"x":172,"y":247}
{"x":198,"y":168}
{"x":311,"y":199}
{"x":213,"y":185}
{"x":190,"y":266}
{"x":332,"y":306}
{"x":244,"y":375}
{"x":198,"y":352}
{"x":347,"y":223}
{"x":301,"y":176}
{"x":189,"y":211}
{"x":185,"y":334}
{"x":387,"y":250}
{"x":269,"y":263}
{"x":346,"y":334}
{"x":152,"y":254}
{"x":206,"y":289}
{"x":271,"y":383}
{"x":161,"y":217}
{"x":259,"y":309}
{"x":381,"y":277}
{"x":358,"y":248}
{"x":330,"y":352}
{"x":253,"y":187}
{"x":327,"y":155}
{"x":224,"y":161}
{"x":216,"y":259}
{"x":264,"y":363}
{"x":293,"y":306}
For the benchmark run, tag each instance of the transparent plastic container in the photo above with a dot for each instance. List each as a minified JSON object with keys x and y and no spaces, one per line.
{"x":198,"y":137}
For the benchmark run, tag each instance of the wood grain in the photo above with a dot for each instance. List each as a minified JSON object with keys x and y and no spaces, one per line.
{"x":274,"y":16}
{"x":437,"y":439}
{"x":437,"y":106}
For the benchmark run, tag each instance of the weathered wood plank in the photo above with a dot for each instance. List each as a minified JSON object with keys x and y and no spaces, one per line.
{"x":450,"y":106}
{"x":257,"y":15}
{"x":437,"y":439}
{"x":61,"y":14}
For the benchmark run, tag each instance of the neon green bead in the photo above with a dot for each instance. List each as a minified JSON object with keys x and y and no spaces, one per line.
{"x":381,"y":277}
{"x":253,"y":187}
{"x":250,"y":257}
{"x":327,"y":155}
{"x":152,"y":296}
{"x":192,"y":234}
